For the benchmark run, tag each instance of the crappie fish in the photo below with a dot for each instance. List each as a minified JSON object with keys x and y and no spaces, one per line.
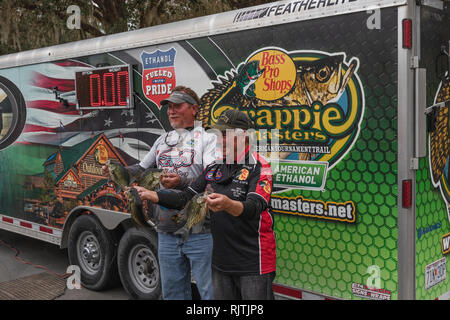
{"x":150,"y":178}
{"x":118,"y":174}
{"x":195,"y":211}
{"x":135,"y":207}
{"x":321,"y":80}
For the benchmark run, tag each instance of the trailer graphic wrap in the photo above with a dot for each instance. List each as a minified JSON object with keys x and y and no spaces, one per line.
{"x":439,"y":145}
{"x":432,"y":196}
{"x":61,"y":149}
{"x":329,"y":84}
{"x":66,"y":184}
{"x":433,"y":203}
{"x":360,"y":192}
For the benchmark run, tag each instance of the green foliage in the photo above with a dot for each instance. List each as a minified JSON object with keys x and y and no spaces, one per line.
{"x":28,"y":24}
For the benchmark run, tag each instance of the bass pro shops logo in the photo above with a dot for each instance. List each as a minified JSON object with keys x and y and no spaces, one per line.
{"x":158,"y":77}
{"x":312,"y":101}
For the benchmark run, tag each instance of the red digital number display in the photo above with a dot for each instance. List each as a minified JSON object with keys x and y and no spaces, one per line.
{"x":103,"y":88}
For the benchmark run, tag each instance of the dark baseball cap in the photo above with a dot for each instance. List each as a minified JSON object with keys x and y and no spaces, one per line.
{"x":233,"y":119}
{"x":179,"y":97}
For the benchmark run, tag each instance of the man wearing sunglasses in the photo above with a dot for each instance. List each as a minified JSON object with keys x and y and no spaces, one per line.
{"x":244,"y":252}
{"x":183,"y":153}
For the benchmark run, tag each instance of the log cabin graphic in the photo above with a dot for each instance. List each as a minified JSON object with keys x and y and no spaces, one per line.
{"x":73,"y":177}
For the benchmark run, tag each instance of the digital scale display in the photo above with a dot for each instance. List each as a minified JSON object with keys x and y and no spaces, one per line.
{"x":104,"y":88}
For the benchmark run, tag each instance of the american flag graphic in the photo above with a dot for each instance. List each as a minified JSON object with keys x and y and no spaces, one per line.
{"x":49,"y":121}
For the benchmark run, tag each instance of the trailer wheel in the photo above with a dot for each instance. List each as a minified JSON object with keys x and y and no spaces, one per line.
{"x":93,"y":248}
{"x":138,"y":264}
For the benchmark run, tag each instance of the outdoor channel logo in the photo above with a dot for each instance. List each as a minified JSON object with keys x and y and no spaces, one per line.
{"x":158,"y":77}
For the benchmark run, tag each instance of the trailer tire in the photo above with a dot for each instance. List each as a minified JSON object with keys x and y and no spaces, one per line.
{"x":93,"y":248}
{"x":137,"y":258}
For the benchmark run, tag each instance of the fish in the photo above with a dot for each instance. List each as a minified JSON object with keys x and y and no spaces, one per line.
{"x":195,"y":211}
{"x":135,"y":206}
{"x":247,"y":76}
{"x":150,"y":178}
{"x":321,"y":80}
{"x":118,"y":174}
{"x":235,"y":89}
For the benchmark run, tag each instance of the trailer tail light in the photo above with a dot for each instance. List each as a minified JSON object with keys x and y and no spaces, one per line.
{"x":26,"y":224}
{"x":407,"y":33}
{"x":9,"y":220}
{"x":407,"y":193}
{"x":44,"y":229}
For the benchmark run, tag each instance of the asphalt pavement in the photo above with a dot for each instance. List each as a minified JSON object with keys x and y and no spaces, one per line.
{"x":49,"y":256}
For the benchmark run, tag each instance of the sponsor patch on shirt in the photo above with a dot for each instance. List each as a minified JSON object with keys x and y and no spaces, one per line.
{"x":265,"y":185}
{"x":218,"y":175}
{"x":209,"y":175}
{"x":243,"y":175}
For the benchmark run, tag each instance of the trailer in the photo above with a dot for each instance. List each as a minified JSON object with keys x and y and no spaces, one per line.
{"x":352,"y":96}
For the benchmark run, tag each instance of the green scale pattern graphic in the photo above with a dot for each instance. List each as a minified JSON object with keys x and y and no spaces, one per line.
{"x":327,"y":257}
{"x":324,"y":256}
{"x":431,"y":210}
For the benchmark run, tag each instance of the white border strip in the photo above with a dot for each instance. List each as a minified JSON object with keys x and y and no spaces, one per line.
{"x":30,"y":229}
{"x":198,"y":27}
{"x":445,"y":296}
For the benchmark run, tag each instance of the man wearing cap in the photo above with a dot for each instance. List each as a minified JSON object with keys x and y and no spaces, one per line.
{"x":244,"y":252}
{"x":183,"y":153}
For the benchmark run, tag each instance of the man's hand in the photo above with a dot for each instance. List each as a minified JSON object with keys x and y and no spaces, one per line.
{"x":105,"y":171}
{"x":219,"y":202}
{"x":170,"y":180}
{"x":145,"y":194}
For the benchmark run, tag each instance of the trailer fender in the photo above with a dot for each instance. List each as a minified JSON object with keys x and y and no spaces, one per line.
{"x":109,"y":219}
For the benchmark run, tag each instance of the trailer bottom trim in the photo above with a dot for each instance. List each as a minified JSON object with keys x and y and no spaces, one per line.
{"x":297,"y":294}
{"x":30,"y":229}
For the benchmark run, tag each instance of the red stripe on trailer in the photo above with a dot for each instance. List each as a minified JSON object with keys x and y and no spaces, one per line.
{"x":295,"y":293}
{"x":9,"y":220}
{"x":44,"y":229}
{"x":25,"y":224}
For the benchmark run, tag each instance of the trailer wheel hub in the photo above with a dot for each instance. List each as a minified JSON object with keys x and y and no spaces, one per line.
{"x":89,"y":252}
{"x":143,"y":269}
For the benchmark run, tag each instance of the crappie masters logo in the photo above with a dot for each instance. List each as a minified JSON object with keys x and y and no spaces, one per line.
{"x":158,"y":77}
{"x":308,"y":105}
